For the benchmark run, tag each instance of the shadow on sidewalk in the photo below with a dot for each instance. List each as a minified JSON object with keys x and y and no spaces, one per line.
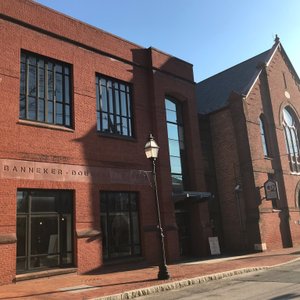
{"x":115,"y":268}
{"x":286,"y":297}
{"x":84,"y":289}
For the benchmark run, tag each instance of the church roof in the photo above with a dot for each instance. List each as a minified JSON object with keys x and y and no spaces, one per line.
{"x":213,"y":93}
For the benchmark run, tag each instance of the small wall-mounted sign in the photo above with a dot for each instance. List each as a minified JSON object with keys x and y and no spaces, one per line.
{"x":271,"y":189}
{"x":214,"y":245}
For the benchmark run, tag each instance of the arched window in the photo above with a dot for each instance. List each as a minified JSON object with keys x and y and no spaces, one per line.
{"x":291,"y":132}
{"x":263,"y":136}
{"x":297,"y":194}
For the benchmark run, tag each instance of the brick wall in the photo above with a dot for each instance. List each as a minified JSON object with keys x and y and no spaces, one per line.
{"x":239,"y":159}
{"x":227,"y":173}
{"x":153,"y":75}
{"x":268,"y":97}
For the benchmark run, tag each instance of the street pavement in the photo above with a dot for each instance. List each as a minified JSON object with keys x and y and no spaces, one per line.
{"x":130,"y":281}
{"x":278,"y":283}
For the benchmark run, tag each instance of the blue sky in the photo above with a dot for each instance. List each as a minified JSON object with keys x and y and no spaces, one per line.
{"x":213,"y":35}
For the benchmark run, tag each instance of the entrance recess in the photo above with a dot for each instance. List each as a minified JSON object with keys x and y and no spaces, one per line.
{"x":44,"y":229}
{"x":183,"y":223}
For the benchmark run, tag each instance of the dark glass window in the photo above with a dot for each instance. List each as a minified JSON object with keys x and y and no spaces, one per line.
{"x":120,"y":224}
{"x":114,"y":112}
{"x":263,"y":136}
{"x":44,"y":229}
{"x":176,"y":142}
{"x":45,"y":87}
{"x":291,"y":132}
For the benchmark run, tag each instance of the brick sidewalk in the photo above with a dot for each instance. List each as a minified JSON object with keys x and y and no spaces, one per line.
{"x":111,"y":281}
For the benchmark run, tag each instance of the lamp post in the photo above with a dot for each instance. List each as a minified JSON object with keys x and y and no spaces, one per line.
{"x":151,"y":151}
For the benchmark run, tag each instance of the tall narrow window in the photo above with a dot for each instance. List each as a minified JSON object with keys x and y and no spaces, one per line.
{"x":120,"y":224}
{"x":176,"y":143}
{"x":291,"y":132}
{"x":297,"y":196}
{"x":284,"y":80}
{"x":263,"y":136}
{"x":114,"y":111}
{"x":298,"y":199}
{"x":45,"y":90}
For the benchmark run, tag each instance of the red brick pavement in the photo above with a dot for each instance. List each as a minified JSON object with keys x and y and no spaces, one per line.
{"x":112,"y":281}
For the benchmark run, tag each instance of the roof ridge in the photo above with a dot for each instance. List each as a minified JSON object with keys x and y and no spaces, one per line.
{"x":271,"y":52}
{"x":233,"y":67}
{"x":238,"y":78}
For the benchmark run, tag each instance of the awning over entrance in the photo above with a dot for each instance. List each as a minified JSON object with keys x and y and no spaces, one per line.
{"x":192,"y":196}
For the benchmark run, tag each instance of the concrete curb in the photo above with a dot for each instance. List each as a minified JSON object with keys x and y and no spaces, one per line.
{"x":185,"y":283}
{"x":177,"y":284}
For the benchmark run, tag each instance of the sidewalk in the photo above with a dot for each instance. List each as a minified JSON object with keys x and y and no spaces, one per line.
{"x":125,"y":283}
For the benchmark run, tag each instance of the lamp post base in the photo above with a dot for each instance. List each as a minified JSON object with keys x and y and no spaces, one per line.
{"x":163,"y":273}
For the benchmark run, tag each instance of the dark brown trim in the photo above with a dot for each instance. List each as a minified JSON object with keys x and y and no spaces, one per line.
{"x":88,"y":233}
{"x":45,"y":273}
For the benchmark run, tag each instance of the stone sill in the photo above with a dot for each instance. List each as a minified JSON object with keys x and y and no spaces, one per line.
{"x":45,"y":273}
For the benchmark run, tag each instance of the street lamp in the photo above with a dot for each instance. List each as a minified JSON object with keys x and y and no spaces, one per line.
{"x":151,"y":151}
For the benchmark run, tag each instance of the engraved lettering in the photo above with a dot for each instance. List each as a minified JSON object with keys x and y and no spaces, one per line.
{"x":44,"y":171}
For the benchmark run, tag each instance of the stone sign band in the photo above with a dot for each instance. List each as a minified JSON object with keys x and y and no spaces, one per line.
{"x":19,"y":169}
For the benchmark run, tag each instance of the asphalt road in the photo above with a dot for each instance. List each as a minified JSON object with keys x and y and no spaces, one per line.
{"x":280,"y":283}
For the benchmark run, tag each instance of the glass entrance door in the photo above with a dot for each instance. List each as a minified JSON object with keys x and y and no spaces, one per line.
{"x":44,"y":241}
{"x":44,"y":229}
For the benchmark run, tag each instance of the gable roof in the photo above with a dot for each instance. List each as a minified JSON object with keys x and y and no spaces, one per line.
{"x":213,"y":93}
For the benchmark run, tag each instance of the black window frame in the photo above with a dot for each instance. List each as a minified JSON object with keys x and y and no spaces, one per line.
{"x":51,"y":105}
{"x":105,"y":213}
{"x":26,"y":211}
{"x":115,"y":109}
{"x":178,"y":113}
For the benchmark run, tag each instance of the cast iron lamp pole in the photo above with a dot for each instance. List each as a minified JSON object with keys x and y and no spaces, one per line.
{"x":151,"y":151}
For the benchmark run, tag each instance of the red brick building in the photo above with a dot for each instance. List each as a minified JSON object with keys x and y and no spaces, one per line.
{"x":78,"y":105}
{"x":249,"y":122}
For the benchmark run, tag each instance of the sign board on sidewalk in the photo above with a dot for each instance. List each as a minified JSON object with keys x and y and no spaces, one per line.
{"x":214,"y":245}
{"x":271,"y":189}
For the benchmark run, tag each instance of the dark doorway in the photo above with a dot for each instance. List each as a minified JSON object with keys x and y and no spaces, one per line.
{"x":44,"y":229}
{"x":184,"y":233}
